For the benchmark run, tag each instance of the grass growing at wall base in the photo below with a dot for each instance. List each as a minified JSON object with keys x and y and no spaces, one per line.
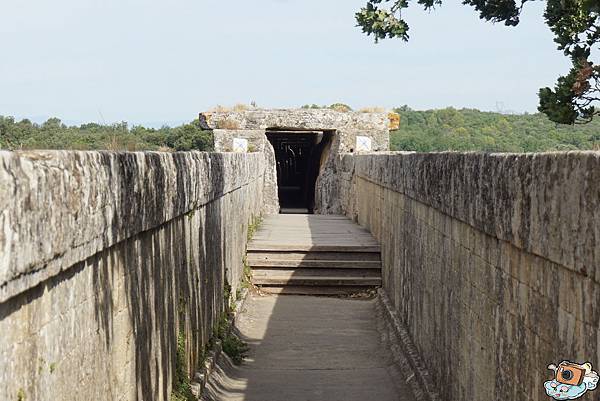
{"x":253,"y":226}
{"x":232,"y":345}
{"x":182,"y":389}
{"x":247,"y":278}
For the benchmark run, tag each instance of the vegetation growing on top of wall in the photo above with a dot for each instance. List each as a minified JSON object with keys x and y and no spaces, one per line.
{"x":336,"y":106}
{"x":373,"y":109}
{"x":238,"y":107}
{"x":53,"y":134}
{"x":474,"y":130}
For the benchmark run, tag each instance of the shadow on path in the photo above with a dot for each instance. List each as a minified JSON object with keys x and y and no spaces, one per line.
{"x":309,"y":348}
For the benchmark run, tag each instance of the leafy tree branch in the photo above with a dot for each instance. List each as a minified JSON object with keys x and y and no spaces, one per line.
{"x":576,"y":26}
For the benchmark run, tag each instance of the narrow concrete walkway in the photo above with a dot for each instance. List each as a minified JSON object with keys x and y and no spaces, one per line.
{"x":309,"y":348}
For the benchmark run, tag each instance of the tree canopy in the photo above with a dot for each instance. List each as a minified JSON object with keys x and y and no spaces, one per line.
{"x":474,"y":130}
{"x":576,"y":28}
{"x":53,"y":134}
{"x":424,"y":131}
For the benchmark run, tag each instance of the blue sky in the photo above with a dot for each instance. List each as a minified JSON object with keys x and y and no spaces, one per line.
{"x":154,"y":62}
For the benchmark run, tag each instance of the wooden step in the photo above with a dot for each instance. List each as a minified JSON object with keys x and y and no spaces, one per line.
{"x":312,"y":247}
{"x":313,"y":290}
{"x":313,"y":254}
{"x":325,"y":264}
{"x":304,"y":256}
{"x":274,"y":280}
{"x":311,"y":272}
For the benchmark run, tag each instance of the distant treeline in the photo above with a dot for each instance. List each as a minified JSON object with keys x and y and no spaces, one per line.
{"x":474,"y":130}
{"x":423,"y":131}
{"x":53,"y":134}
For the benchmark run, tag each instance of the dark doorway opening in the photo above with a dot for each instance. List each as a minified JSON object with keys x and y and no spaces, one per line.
{"x":298,"y":155}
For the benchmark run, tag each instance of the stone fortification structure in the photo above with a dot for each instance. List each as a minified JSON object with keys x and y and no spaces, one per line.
{"x":339,"y":131}
{"x":490,"y":261}
{"x":106,"y":259}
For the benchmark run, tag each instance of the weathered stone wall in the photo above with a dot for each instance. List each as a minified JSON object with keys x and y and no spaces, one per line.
{"x":257,"y":142}
{"x":310,"y":119}
{"x":105,"y":258}
{"x":491,"y":261}
{"x":253,"y":124}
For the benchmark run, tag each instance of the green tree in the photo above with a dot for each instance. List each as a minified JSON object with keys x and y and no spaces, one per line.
{"x":190,"y":137}
{"x":576,"y":28}
{"x":53,"y":134}
{"x":474,"y":130}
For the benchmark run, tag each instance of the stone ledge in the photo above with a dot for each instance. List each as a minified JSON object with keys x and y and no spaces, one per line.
{"x":58,"y":208}
{"x":421,"y":381}
{"x":545,"y":203}
{"x":317,"y":119}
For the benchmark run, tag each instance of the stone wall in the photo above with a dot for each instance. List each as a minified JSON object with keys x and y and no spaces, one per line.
{"x":252,"y":124}
{"x":106,"y":258}
{"x":491,"y":261}
{"x":257,"y":142}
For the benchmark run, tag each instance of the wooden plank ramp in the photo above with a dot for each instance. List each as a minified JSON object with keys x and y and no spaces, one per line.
{"x":313,"y":254}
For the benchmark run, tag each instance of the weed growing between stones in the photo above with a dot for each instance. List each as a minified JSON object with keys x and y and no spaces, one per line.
{"x":233,"y":347}
{"x":253,"y":226}
{"x":231,"y":344}
{"x":247,"y":278}
{"x":227,"y":294}
{"x":182,"y":389}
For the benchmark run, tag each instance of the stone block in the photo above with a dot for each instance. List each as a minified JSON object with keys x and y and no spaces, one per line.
{"x":116,"y":253}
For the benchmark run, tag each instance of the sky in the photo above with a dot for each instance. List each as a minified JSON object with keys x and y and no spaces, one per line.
{"x":161,"y":62}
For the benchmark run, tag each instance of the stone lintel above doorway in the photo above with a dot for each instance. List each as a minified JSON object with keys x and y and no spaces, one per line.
{"x":297,"y":119}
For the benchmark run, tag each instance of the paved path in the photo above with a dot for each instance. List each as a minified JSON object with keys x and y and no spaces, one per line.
{"x":309,"y":348}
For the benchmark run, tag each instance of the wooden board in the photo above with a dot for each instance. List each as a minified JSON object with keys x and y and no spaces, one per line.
{"x":323,"y":254}
{"x":315,"y":263}
{"x":304,"y":232}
